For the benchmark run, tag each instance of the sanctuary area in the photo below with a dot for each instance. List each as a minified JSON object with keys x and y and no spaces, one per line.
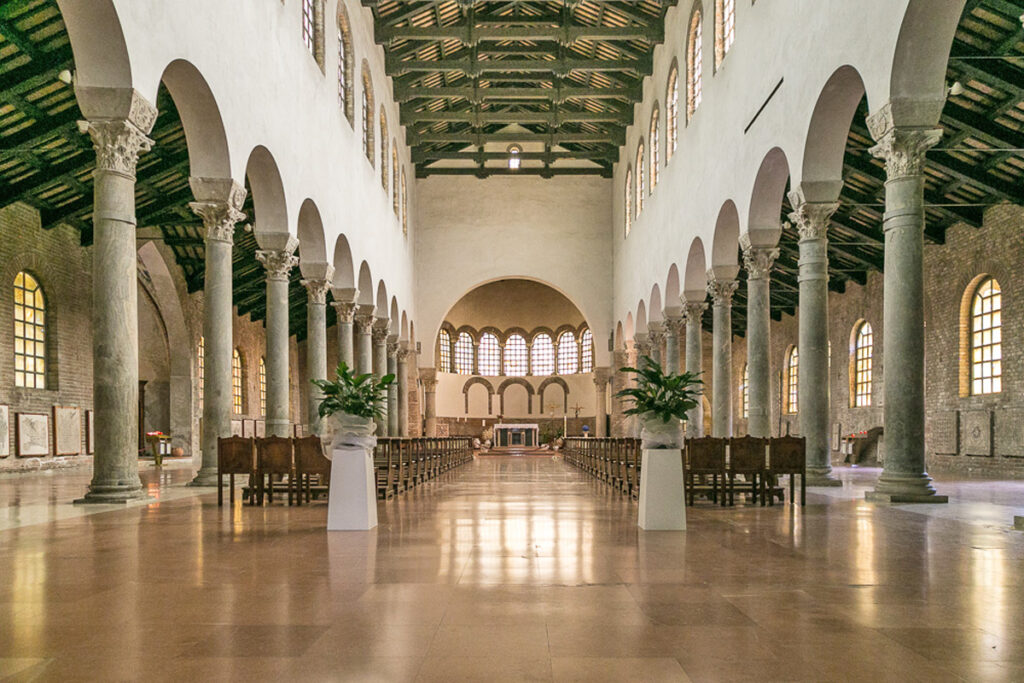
{"x":790,"y":227}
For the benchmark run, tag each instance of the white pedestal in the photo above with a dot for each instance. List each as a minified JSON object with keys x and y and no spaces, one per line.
{"x":662,"y":502}
{"x":352,"y":501}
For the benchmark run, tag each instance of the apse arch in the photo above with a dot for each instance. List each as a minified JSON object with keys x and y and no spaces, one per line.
{"x":554,"y":381}
{"x":764,"y":225}
{"x":821,"y":173}
{"x":201,"y":119}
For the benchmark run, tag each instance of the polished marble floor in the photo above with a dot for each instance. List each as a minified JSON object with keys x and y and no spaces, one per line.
{"x":508,"y":569}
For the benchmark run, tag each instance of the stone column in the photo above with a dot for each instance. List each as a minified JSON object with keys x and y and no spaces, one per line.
{"x":641,"y":348}
{"x":655,"y":337}
{"x":345,"y":306}
{"x":362,"y":338}
{"x":316,"y":342}
{"x":811,"y":219}
{"x":278,"y":264}
{"x":721,"y":291}
{"x":403,"y":388}
{"x":618,"y":381}
{"x":379,"y":337}
{"x":115,"y":338}
{"x":673,"y":327}
{"x":601,"y":376}
{"x":429,"y":378}
{"x":758,"y":261}
{"x":634,"y":354}
{"x":693,"y":314}
{"x":903,"y":148}
{"x":220,"y":203}
{"x":393,"y":387}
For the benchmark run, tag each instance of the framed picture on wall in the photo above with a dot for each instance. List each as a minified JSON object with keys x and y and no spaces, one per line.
{"x":67,"y":430}
{"x":90,"y":432}
{"x":32,"y":435}
{"x":5,"y":431}
{"x":248,"y":428}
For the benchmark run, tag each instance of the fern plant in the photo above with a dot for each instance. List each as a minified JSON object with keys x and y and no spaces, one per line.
{"x":359,"y":395}
{"x":664,"y":396}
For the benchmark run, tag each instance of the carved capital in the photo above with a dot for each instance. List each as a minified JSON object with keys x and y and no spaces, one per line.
{"x":317,"y":289}
{"x":277,"y":262}
{"x":219,"y":219}
{"x":601,"y":377}
{"x":655,"y":334}
{"x":364,"y":318}
{"x":405,"y":353}
{"x":346,"y":310}
{"x":758,"y":261}
{"x":380,"y":329}
{"x":675,"y":325}
{"x":903,"y":148}
{"x":693,"y":311}
{"x":428,"y":376}
{"x":811,"y":218}
{"x":393,"y":348}
{"x":118,"y":143}
{"x":721,"y":291}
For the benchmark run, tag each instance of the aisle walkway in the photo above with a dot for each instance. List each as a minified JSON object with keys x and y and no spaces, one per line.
{"x":508,"y":569}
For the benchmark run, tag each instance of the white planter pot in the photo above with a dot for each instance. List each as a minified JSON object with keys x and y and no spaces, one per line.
{"x":348,"y":431}
{"x":656,"y":434}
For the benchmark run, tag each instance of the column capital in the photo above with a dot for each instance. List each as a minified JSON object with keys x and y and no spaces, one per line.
{"x":675,"y":324}
{"x":428,"y":376}
{"x":405,"y":352}
{"x":642,"y":344}
{"x":903,"y":148}
{"x":317,"y":288}
{"x":811,"y":218}
{"x":393,"y":345}
{"x":601,"y":377}
{"x":757,"y":260}
{"x":693,"y":311}
{"x":655,"y":332}
{"x":364,"y":317}
{"x":279,"y":262}
{"x":721,"y":291}
{"x":118,"y":143}
{"x":219,"y":219}
{"x":379,"y":330}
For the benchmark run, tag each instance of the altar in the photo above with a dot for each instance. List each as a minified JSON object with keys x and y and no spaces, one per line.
{"x":516,"y":435}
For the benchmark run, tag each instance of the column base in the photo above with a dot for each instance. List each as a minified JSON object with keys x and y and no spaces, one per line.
{"x":904,"y":488}
{"x":822,"y":476}
{"x":279,"y":428}
{"x":206,"y":476}
{"x":112,"y":495}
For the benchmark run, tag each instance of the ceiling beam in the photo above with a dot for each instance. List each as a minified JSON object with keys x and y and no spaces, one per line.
{"x":479,"y":119}
{"x":479,"y":139}
{"x":405,"y":93}
{"x":485,"y":171}
{"x":430,"y":156}
{"x":476,"y":67}
{"x":563,"y":35}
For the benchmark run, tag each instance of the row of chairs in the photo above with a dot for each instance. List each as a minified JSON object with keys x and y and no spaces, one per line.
{"x":710,"y":465}
{"x":401,"y":464}
{"x":615,"y":461}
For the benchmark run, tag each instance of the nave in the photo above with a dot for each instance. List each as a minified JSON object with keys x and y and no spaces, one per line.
{"x":508,"y":569}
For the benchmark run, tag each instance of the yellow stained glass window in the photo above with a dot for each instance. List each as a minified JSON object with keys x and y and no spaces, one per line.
{"x":29,"y":333}
{"x":987,"y":339}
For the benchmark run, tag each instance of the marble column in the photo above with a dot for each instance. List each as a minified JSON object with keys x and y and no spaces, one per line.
{"x":758,"y":261}
{"x":811,"y":220}
{"x":345,"y":307}
{"x":404,"y":352}
{"x":618,"y":382}
{"x":721,"y":291}
{"x":393,"y":387}
{"x":115,"y":348}
{"x":641,"y":349}
{"x":316,"y":342}
{"x":379,"y":337}
{"x":220,"y":203}
{"x":363,"y":341}
{"x":428,"y":376}
{"x":634,"y":356}
{"x":601,"y":376}
{"x":903,"y":148}
{"x":673,"y":327}
{"x":656,"y":337}
{"x":693,"y":314}
{"x":278,"y":263}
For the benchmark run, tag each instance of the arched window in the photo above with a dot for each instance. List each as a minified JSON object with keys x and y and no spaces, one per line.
{"x":405,"y":207}
{"x":236,"y":382}
{"x":344,"y":63}
{"x":694,"y":66}
{"x":444,"y":343}
{"x":987,"y":339}
{"x":725,"y":28}
{"x":394,"y":176}
{"x":745,"y":391}
{"x":262,"y":386}
{"x":464,"y":354}
{"x":629,"y":200}
{"x":368,"y":122}
{"x":201,"y":369}
{"x":641,"y":183}
{"x":383,"y":149}
{"x":672,"y":113}
{"x":655,"y":138}
{"x":489,"y":355}
{"x":542,"y":355}
{"x":792,"y":381}
{"x":863,"y":350}
{"x":29,"y":333}
{"x":587,"y":351}
{"x":515,"y":356}
{"x":568,"y":354}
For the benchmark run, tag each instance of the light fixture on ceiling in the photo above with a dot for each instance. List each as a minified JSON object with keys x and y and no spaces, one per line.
{"x":956,"y":89}
{"x":513,"y":157}
{"x":65,"y":77}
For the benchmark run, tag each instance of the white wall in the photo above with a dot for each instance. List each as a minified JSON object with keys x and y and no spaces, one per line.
{"x":451,"y":402}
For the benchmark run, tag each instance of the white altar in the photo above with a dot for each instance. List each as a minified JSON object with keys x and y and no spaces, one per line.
{"x":516,"y":435}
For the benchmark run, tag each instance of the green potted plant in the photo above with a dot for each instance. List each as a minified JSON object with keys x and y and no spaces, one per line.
{"x":349,"y":404}
{"x":661,"y":401}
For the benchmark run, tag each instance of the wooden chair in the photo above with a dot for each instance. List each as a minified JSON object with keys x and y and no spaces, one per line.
{"x":705,"y":456}
{"x":235,"y":455}
{"x":273,"y":457}
{"x":746,"y":457}
{"x":310,"y":461}
{"x":788,"y":455}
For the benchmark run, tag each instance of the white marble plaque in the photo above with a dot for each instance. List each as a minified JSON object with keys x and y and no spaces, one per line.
{"x":33,"y":435}
{"x":67,"y":430}
{"x":261,"y":429}
{"x":977,"y":432}
{"x":248,"y":428}
{"x":236,"y":428}
{"x":5,"y":431}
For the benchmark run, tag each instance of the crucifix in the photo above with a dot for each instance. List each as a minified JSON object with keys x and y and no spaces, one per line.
{"x":576,"y":409}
